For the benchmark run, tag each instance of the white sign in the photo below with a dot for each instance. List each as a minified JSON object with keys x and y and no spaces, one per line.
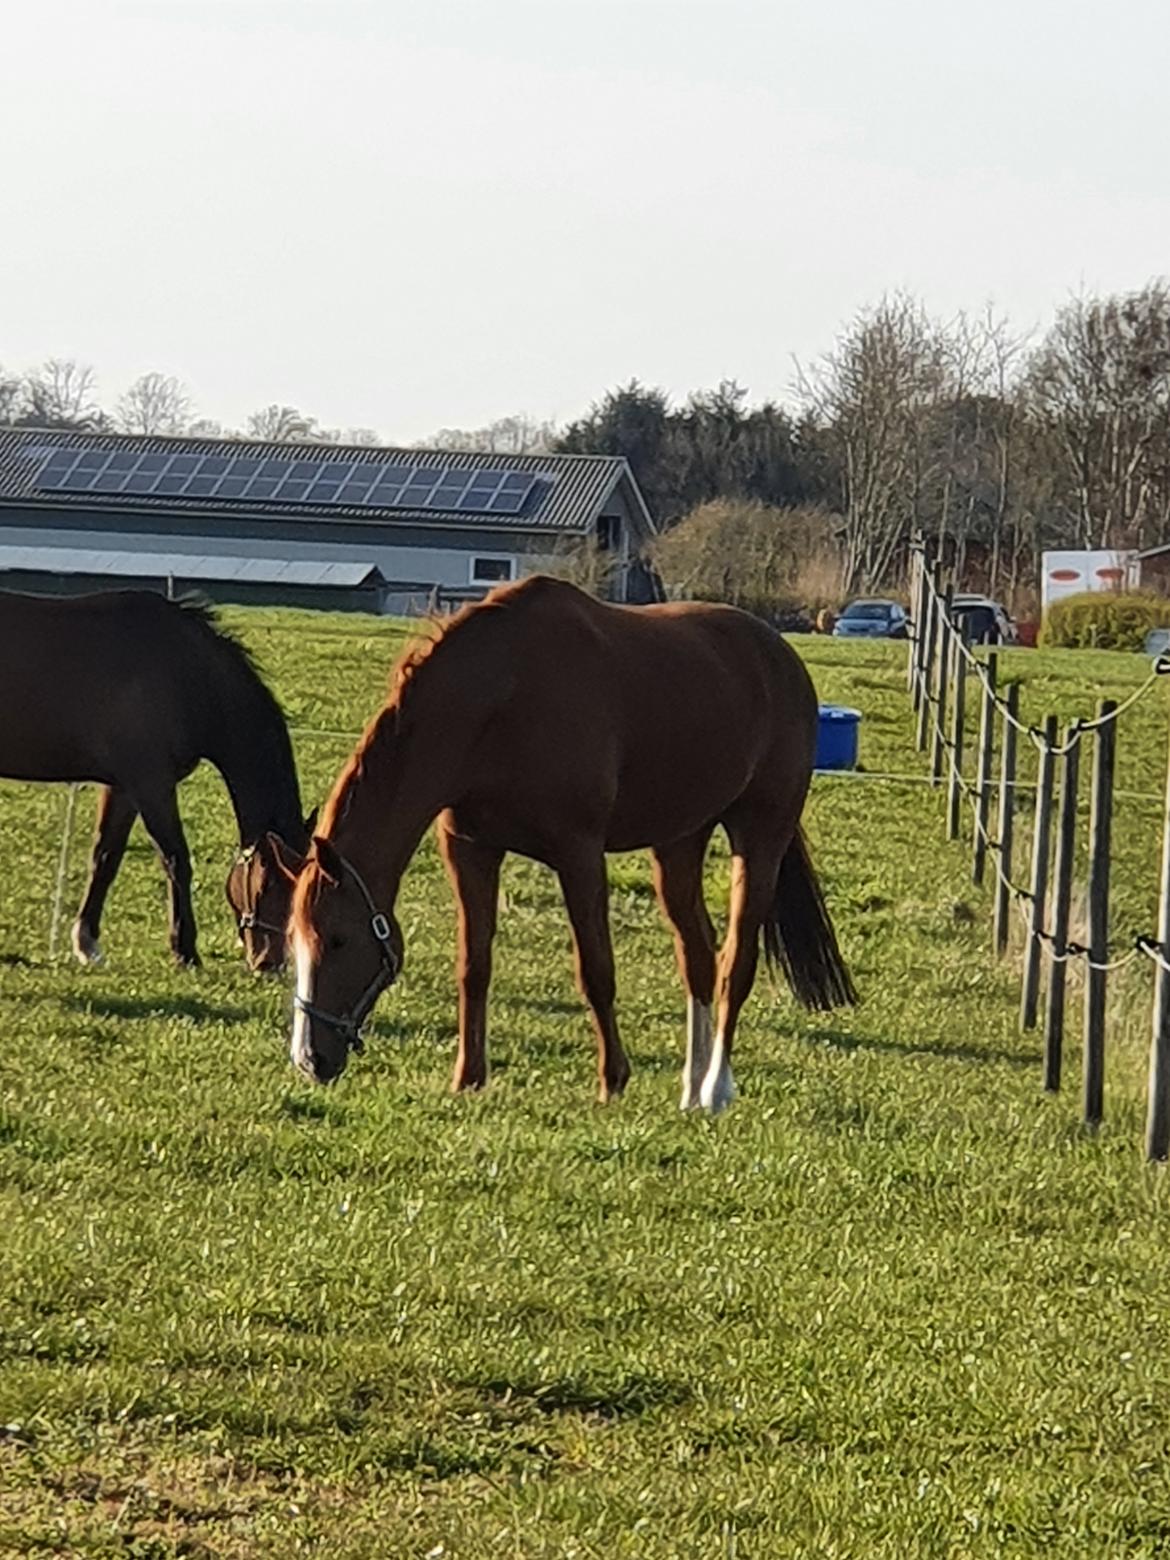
{"x":1072,"y":573}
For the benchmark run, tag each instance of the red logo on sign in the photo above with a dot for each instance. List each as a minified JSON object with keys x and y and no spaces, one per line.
{"x":1065,"y":574}
{"x":1110,"y":574}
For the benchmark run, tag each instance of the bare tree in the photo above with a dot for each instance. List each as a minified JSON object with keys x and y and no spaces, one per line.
{"x":519,"y":435}
{"x":205,"y":428}
{"x":977,"y":418}
{"x":62,"y":394}
{"x":282,"y":424}
{"x":11,"y":397}
{"x":154,"y":403}
{"x":877,"y":394}
{"x":1101,"y":382}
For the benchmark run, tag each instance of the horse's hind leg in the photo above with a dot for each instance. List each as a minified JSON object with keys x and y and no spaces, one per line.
{"x":474,"y":871}
{"x":583,"y":883}
{"x":759,"y":837}
{"x":678,"y":879}
{"x":115,"y":818}
{"x":160,"y":814}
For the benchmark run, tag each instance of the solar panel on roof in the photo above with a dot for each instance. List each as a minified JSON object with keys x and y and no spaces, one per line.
{"x":361,"y":484}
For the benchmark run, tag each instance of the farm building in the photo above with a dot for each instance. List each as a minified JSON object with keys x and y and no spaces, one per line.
{"x":371,"y":529}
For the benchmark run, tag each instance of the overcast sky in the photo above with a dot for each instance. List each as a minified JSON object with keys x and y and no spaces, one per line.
{"x":432,"y":214}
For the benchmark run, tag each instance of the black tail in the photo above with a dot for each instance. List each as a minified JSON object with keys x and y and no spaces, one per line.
{"x":799,"y":937}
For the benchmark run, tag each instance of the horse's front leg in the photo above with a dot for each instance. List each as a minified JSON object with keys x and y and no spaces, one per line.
{"x":115,"y":818}
{"x":583,"y":882}
{"x":474,"y":870}
{"x":160,"y":814}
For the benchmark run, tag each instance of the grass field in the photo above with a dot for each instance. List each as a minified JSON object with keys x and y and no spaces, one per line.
{"x":894,"y":1303}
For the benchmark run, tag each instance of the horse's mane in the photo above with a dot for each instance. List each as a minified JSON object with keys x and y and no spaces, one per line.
{"x":435,"y":631}
{"x":435,"y":628}
{"x":198,"y":611}
{"x":239,"y":666}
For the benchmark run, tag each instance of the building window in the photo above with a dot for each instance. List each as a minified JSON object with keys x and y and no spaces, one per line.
{"x":492,"y":569}
{"x":609,"y":532}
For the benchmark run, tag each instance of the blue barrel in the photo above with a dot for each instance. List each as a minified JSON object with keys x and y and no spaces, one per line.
{"x":837,"y":734}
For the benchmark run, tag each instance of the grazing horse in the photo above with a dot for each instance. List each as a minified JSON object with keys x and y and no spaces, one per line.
{"x":130,"y":690}
{"x":544,"y":722}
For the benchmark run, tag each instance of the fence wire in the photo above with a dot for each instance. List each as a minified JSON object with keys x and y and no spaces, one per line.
{"x":1023,"y":898}
{"x":1036,"y":734}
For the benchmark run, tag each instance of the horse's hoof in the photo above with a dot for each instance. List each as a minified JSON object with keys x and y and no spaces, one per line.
{"x":86,"y":949}
{"x":188,"y":961}
{"x":468,"y":1084}
{"x":718,"y":1091}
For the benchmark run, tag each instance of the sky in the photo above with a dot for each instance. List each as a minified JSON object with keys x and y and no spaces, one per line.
{"x":409,"y":216}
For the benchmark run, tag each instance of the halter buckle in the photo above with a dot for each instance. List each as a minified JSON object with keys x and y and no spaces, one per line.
{"x":380,"y":927}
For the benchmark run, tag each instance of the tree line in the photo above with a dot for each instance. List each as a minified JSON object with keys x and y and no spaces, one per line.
{"x":995,"y":443}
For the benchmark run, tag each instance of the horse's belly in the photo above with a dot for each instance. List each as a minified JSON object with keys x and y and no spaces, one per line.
{"x":634,"y":828}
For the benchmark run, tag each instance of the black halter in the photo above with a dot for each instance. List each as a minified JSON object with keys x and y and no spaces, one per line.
{"x":349,"y":1025}
{"x":248,"y":920}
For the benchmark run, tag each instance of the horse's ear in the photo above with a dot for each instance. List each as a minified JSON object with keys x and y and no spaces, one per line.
{"x":289,"y":862}
{"x":327,"y":858}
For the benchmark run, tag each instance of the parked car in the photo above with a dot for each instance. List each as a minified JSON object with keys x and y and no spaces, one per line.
{"x":874,"y":619}
{"x":985,"y":620}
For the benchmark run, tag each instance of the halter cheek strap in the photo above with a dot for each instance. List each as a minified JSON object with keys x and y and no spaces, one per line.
{"x":349,"y":1025}
{"x":248,"y":920}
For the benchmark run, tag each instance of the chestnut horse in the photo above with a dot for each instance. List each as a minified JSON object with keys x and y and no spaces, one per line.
{"x":130,"y":690}
{"x":544,"y":722}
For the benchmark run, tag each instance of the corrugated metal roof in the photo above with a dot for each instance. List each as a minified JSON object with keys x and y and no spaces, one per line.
{"x":186,"y":566}
{"x":573,"y":493}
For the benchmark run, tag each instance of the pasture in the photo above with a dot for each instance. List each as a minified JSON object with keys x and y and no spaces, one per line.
{"x":894,"y":1303}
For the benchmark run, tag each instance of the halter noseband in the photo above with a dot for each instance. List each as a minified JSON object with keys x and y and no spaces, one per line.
{"x":349,"y":1025}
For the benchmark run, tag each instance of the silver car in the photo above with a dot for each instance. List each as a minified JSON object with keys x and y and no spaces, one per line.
{"x":985,"y":621}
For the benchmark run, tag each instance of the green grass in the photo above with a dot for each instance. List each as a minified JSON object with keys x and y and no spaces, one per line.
{"x":895,"y":1303}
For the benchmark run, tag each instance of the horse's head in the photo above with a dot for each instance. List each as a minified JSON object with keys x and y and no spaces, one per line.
{"x":347,"y":951}
{"x":259,"y":891}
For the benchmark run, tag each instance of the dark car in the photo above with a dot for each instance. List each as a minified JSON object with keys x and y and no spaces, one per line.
{"x":874,"y":619}
{"x":983,"y":620}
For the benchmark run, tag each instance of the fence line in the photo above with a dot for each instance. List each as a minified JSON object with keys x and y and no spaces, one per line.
{"x":939,"y":663}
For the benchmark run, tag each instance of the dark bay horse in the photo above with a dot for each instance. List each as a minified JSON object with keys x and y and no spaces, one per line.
{"x":131,"y":691}
{"x":544,"y":722}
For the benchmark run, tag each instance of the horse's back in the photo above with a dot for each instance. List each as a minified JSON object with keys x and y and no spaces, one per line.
{"x":661,"y":718}
{"x":83,"y":677}
{"x":679,"y":665}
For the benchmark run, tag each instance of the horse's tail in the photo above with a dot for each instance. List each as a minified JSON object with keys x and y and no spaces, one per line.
{"x":799,"y":938}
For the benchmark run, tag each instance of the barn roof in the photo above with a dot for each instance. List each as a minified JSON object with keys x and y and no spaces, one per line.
{"x":186,"y":566}
{"x":566,"y":493}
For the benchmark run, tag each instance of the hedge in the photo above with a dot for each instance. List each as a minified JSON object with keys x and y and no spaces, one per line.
{"x":1104,"y":620}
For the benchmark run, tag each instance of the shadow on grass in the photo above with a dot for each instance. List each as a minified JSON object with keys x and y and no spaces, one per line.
{"x":839,"y":1040}
{"x":562,"y":1005}
{"x":158,"y":1007}
{"x":628,"y":1398}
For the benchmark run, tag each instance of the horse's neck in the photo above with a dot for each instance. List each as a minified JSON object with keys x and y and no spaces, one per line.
{"x":389,"y":804}
{"x":251,"y":749}
{"x":410,"y":766}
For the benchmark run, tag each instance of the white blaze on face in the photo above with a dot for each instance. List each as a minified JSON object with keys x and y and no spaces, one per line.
{"x":301,"y":1051}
